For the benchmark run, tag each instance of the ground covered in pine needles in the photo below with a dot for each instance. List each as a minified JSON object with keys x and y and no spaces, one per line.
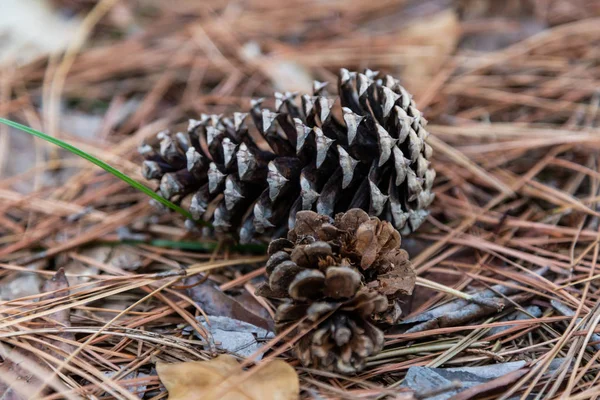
{"x":95,"y":282}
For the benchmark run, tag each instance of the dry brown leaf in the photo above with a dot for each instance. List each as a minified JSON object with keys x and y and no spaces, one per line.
{"x":221,"y":378}
{"x":216,"y":302}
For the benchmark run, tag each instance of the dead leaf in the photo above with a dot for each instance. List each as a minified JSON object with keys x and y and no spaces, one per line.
{"x":500,"y":382}
{"x":250,"y":303}
{"x":565,"y":310}
{"x":221,"y":378}
{"x":215,"y":302}
{"x":528,"y":313}
{"x":479,"y":379}
{"x":236,"y":337}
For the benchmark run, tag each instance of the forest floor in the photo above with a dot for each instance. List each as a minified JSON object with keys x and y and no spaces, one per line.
{"x":92,"y":277}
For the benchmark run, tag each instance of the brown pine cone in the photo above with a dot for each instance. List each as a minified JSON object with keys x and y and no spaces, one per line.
{"x":343,"y":274}
{"x":366,"y":151}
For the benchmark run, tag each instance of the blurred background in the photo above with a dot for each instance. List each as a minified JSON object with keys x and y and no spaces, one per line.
{"x":99,"y":72}
{"x":511,"y":90}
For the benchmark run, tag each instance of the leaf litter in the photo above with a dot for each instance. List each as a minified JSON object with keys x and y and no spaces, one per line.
{"x":216,"y":379}
{"x":514,"y":126}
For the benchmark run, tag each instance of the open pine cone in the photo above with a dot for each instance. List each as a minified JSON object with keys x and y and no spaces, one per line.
{"x":343,"y":275}
{"x":302,"y":157}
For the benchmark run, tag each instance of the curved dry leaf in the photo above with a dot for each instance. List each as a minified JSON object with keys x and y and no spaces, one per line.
{"x":222,"y":378}
{"x":216,"y":302}
{"x":235,"y":337}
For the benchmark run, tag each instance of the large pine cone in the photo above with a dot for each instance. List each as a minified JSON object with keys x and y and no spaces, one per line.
{"x":302,"y":158}
{"x":344,"y":275}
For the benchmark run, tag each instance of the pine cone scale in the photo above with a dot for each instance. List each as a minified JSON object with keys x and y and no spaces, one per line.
{"x":307,"y":285}
{"x":341,"y":282}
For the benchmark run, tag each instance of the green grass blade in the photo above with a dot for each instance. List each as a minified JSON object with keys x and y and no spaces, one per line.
{"x":131,"y":182}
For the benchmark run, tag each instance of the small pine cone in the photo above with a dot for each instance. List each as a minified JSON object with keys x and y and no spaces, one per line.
{"x":366,"y":151}
{"x":343,"y":274}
